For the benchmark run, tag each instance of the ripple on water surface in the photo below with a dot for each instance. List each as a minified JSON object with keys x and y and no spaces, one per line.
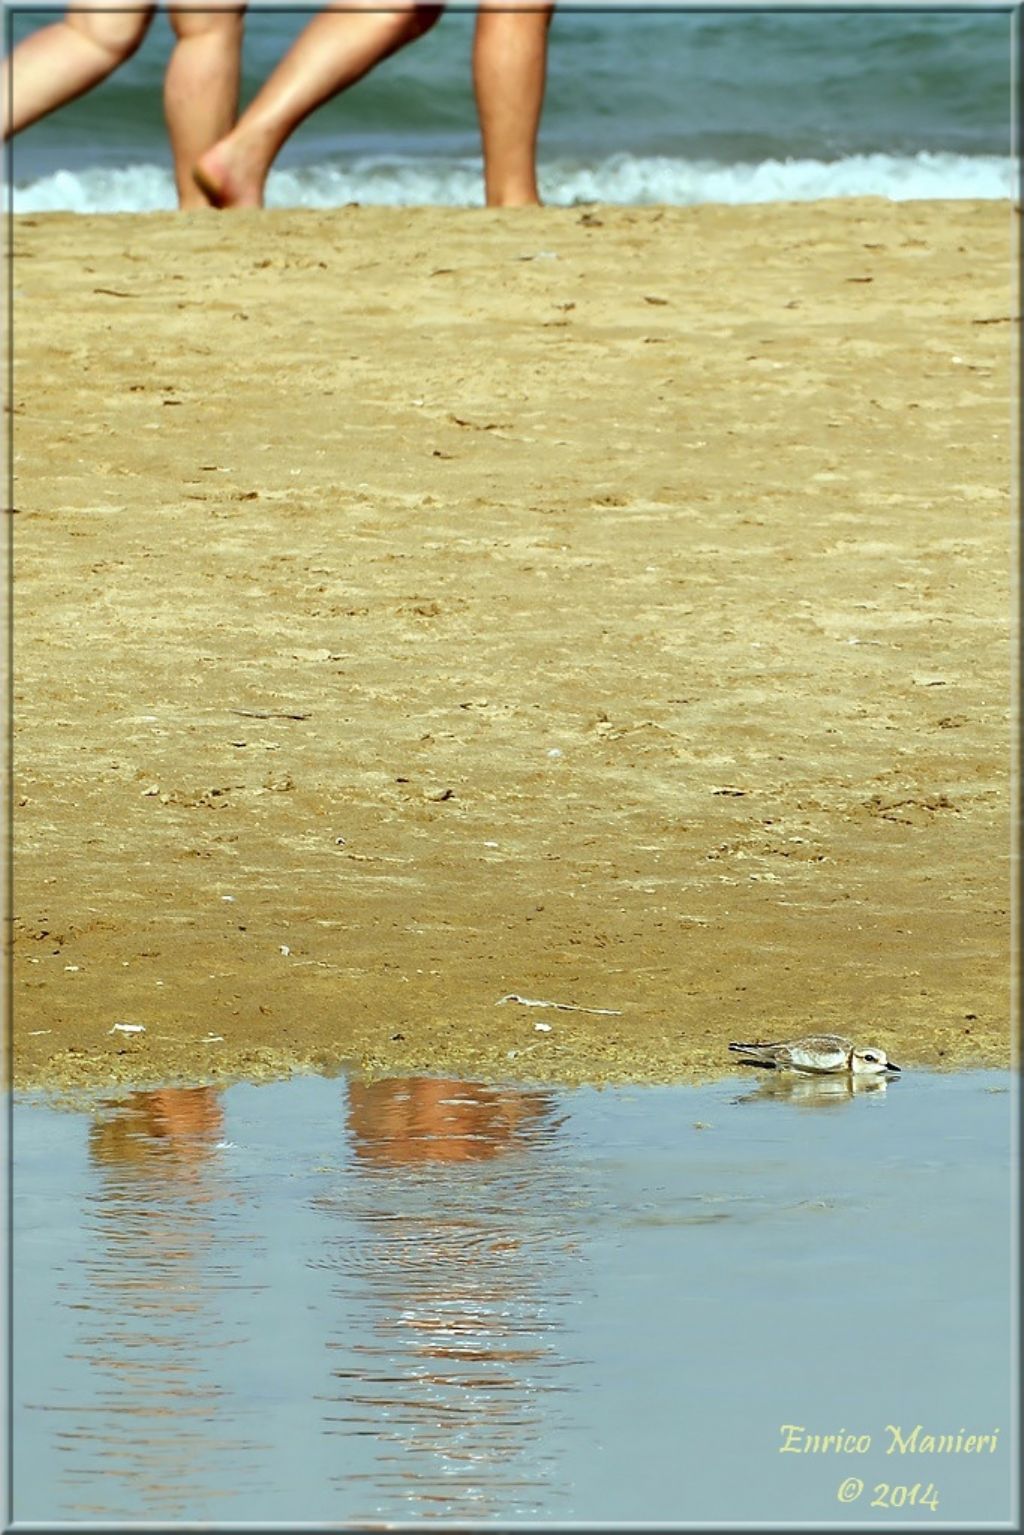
{"x":346,"y":1300}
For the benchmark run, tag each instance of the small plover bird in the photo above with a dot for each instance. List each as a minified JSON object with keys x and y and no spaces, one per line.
{"x":818,"y":1053}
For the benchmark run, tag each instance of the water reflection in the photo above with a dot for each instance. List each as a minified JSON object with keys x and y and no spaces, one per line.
{"x":412,"y":1120}
{"x":180,"y":1125}
{"x":461,"y":1283}
{"x":814,"y":1092}
{"x":491,"y":1305}
{"x":149,"y":1325}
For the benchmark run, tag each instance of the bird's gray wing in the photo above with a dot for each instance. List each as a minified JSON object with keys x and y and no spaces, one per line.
{"x":760,"y":1054}
{"x":822,"y":1053}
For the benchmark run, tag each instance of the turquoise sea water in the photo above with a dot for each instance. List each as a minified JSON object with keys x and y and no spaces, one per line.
{"x":344,"y":1301}
{"x":642,"y":106}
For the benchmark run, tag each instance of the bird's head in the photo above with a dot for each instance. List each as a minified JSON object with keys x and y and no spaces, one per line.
{"x":870,"y":1062}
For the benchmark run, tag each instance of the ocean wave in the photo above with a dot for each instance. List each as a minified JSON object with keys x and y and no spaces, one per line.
{"x":624,"y":179}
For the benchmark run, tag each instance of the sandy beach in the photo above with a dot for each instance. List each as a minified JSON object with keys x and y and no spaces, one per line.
{"x":607,"y":606}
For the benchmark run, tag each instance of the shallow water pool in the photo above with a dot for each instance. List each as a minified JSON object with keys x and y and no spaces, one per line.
{"x":334,"y":1301}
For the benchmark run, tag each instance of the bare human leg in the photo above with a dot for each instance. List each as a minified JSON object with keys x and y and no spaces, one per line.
{"x":201,"y":88}
{"x":63,"y":61}
{"x":509,"y":75}
{"x":338,"y":48}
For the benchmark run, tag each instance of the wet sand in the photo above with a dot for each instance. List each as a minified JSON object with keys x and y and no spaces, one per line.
{"x":607,"y":606}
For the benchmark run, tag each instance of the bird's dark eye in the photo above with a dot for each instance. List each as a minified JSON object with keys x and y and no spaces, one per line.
{"x":869,"y":1057}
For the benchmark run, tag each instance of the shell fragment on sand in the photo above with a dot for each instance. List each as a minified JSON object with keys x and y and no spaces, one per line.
{"x":564,"y":1007}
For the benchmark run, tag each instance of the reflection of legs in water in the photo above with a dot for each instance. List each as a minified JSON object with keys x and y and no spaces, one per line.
{"x":153,"y":1270}
{"x":509,"y":72}
{"x":333,"y":52}
{"x":450,"y":1344}
{"x":143,"y":1131}
{"x":405,"y":1120}
{"x":65,"y":60}
{"x":201,"y":90}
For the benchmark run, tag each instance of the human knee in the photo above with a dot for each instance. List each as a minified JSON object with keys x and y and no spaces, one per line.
{"x":224,"y":21}
{"x":406,"y":23}
{"x":425,"y":17}
{"x":116,"y":33}
{"x":500,"y":28}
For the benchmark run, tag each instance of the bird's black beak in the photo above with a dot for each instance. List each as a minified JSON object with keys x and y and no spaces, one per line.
{"x":891,"y":1066}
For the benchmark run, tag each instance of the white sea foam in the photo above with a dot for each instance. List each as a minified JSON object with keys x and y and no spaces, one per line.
{"x":624,"y":179}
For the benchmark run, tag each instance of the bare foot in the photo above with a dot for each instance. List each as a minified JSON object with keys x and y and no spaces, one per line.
{"x":229,"y":177}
